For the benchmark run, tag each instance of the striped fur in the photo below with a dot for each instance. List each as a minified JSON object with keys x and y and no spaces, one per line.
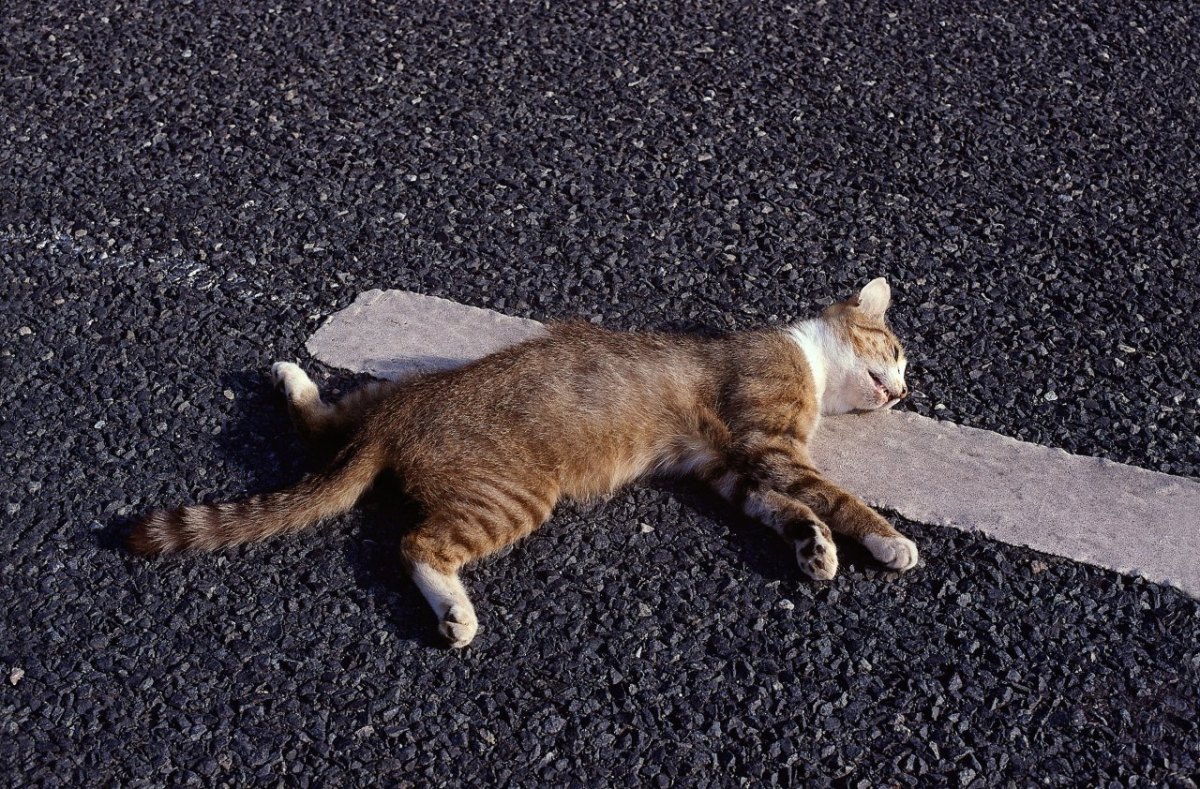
{"x":207,"y":527}
{"x":490,"y":448}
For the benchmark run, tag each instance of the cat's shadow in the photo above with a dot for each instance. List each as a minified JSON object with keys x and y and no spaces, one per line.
{"x":256,"y":442}
{"x":259,"y":440}
{"x":373,"y":554}
{"x":261,"y":446}
{"x":384,"y":515}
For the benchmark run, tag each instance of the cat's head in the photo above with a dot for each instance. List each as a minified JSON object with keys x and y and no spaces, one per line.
{"x":864,"y":360}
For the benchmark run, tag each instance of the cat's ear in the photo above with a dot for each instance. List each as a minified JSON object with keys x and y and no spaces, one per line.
{"x":875,"y":297}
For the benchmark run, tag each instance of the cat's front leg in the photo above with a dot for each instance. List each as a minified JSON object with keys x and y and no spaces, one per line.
{"x":895,"y":551}
{"x":849,"y":515}
{"x":799,"y":525}
{"x":793,"y":521}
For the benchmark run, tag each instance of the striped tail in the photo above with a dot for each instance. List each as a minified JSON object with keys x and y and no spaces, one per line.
{"x":206,"y":527}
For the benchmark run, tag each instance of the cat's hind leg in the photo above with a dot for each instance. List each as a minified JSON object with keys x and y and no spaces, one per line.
{"x":444,"y":592}
{"x":460,"y":528}
{"x":322,"y":425}
{"x":311,"y":415}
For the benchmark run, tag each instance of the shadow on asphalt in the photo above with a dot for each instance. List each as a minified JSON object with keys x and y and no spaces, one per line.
{"x":763,"y":551}
{"x":257,"y":440}
{"x":259,"y":445}
{"x":374,"y":556}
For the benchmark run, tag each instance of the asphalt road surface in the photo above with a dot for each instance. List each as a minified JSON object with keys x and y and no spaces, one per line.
{"x":187,"y":190}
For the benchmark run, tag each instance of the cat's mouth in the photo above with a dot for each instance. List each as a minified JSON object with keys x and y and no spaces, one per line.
{"x":881,"y":388}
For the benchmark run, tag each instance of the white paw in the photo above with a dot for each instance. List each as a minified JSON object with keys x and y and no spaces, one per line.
{"x":291,"y":379}
{"x":281,"y":371}
{"x":898,"y":553}
{"x":459,"y":626}
{"x":817,"y":557}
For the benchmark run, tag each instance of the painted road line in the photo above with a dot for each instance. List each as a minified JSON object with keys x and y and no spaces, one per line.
{"x":1109,"y":514}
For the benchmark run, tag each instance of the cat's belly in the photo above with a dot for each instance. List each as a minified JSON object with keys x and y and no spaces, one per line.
{"x":601,"y":473}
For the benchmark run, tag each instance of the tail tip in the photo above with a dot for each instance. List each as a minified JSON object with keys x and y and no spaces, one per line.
{"x":141,"y":540}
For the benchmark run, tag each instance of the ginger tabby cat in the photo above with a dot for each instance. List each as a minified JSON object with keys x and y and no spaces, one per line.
{"x":489,"y":448}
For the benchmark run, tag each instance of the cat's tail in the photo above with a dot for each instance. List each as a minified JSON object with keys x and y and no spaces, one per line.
{"x":206,"y":527}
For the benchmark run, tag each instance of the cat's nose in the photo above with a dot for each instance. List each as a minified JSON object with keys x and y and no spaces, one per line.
{"x":903,"y":393}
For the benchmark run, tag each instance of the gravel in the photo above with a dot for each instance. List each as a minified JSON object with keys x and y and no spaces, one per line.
{"x":184,"y":196}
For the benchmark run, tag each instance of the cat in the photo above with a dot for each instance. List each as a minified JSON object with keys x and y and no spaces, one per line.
{"x":579,"y":411}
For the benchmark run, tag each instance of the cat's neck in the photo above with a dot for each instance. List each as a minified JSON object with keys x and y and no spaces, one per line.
{"x":825,"y":354}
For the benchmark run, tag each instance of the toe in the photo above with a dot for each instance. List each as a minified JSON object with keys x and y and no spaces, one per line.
{"x":897,"y":553}
{"x":457,"y":635}
{"x":817,"y":558}
{"x":459,"y":627}
{"x":280,"y":371}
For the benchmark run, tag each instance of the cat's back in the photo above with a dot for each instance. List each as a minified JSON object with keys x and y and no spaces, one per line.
{"x":574,"y":366}
{"x":586,"y":369}
{"x":575,"y":385}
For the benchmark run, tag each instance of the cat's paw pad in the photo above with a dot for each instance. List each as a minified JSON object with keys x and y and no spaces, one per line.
{"x":459,"y":626}
{"x":817,"y":557}
{"x":897,"y":553}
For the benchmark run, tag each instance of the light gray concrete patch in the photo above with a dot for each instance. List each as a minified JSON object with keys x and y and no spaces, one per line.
{"x":1109,"y":514}
{"x":393,"y":333}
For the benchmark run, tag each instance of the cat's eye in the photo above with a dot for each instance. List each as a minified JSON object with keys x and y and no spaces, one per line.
{"x":897,"y":350}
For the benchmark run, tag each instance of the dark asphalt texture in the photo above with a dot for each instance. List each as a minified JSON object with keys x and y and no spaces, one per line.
{"x":187,"y":190}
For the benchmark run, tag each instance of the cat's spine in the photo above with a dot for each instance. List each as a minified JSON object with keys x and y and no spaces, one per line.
{"x":332,"y":491}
